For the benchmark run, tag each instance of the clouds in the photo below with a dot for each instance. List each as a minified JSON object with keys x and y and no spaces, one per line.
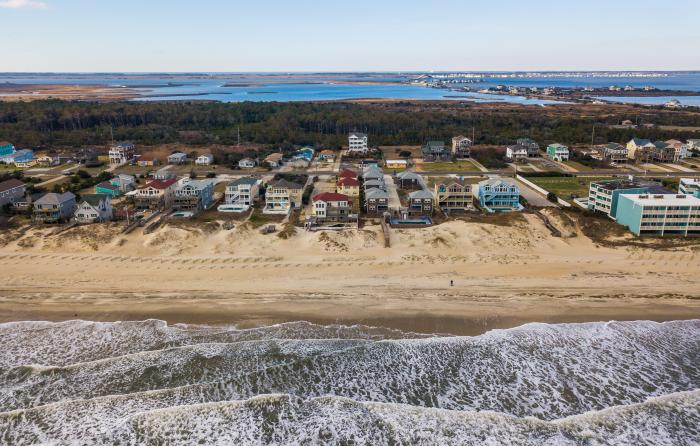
{"x":22,"y":4}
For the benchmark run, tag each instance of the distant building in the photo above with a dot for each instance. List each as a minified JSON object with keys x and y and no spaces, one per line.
{"x":164,"y":174}
{"x":681,"y":150}
{"x":516,"y":152}
{"x":628,"y":124}
{"x":49,"y":160}
{"x":247,"y":163}
{"x":435,"y":151}
{"x":147,"y":161}
{"x":205,"y":160}
{"x":533,"y":149}
{"x":660,"y":214}
{"x":558,"y":152}
{"x":122,"y":153}
{"x":461,"y":147}
{"x":690,"y":186}
{"x":11,"y":190}
{"x":454,"y":195}
{"x":327,"y":155}
{"x":348,"y":186}
{"x":193,"y":195}
{"x":274,"y":160}
{"x":94,"y":208}
{"x":107,"y":188}
{"x":396,"y":164}
{"x":177,"y":158}
{"x":54,"y":208}
{"x":331,"y":207}
{"x":640,"y":150}
{"x":498,"y":195}
{"x":358,"y":143}
{"x":6,"y":149}
{"x":615,"y":153}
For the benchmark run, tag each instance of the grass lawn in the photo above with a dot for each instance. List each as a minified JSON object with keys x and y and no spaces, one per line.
{"x":456,"y":166}
{"x":577,"y":166}
{"x":564,"y":187}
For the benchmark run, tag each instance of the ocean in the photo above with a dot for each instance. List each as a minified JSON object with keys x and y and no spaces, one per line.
{"x":267,"y":87}
{"x":126,"y":383}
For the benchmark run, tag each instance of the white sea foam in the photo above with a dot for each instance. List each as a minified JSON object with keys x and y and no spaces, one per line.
{"x":519,"y":383}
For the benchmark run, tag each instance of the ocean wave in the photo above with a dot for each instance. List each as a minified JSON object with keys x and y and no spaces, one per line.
{"x":70,"y":342}
{"x":540,"y":370}
{"x":670,"y":420}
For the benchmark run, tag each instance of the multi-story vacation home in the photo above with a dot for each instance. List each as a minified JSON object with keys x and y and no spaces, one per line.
{"x":660,"y":215}
{"x":663,"y":153}
{"x":516,"y":152}
{"x":11,"y":190}
{"x":461,"y":147}
{"x":690,"y":186}
{"x":558,"y":152}
{"x":121,"y":153}
{"x":640,"y":150}
{"x":54,"y":208}
{"x":372,"y":173}
{"x":376,"y":201}
{"x":420,"y":202}
{"x":193,"y":195}
{"x":615,"y":153}
{"x":155,"y":195}
{"x":177,"y":158}
{"x":240,"y":195}
{"x":681,"y":149}
{"x":408,"y":180}
{"x":348,"y":186}
{"x":454,"y":195}
{"x":331,"y":207}
{"x":282,"y":196}
{"x":498,"y":195}
{"x":6,"y":148}
{"x":357,"y":143}
{"x":533,"y":149}
{"x":93,"y":208}
{"x":435,"y":151}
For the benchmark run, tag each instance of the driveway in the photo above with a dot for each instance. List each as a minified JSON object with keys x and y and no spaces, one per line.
{"x":533,"y":197}
{"x":394,"y":201}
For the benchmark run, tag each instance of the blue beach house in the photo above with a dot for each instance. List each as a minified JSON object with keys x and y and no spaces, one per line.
{"x":6,"y":148}
{"x":497,"y":195}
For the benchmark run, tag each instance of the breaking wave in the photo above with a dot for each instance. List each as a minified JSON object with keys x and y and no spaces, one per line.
{"x":300,"y":383}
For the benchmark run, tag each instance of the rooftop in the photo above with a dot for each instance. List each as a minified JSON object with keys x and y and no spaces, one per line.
{"x":93,"y":199}
{"x":243,"y":180}
{"x":161,"y":184}
{"x":54,"y":198}
{"x":286,"y":183}
{"x":331,"y":196}
{"x":10,"y":184}
{"x":421,"y":194}
{"x":663,"y":199}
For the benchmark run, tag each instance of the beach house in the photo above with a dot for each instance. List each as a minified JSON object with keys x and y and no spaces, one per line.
{"x":205,"y":160}
{"x":155,"y":195}
{"x":11,"y":190}
{"x":499,"y":195}
{"x":454,"y":195}
{"x":247,"y":163}
{"x":54,"y":208}
{"x":395,"y":164}
{"x":48,"y":160}
{"x":273,"y":160}
{"x":420,"y":202}
{"x":93,"y":208}
{"x":348,"y":186}
{"x":193,"y":195}
{"x":640,"y":150}
{"x":516,"y":153}
{"x":282,"y":196}
{"x":681,"y":149}
{"x":372,"y":173}
{"x":107,"y":188}
{"x":533,"y":149}
{"x":240,"y":195}
{"x":376,"y":201}
{"x":408,"y":180}
{"x":347,"y":173}
{"x":615,"y":153}
{"x":6,"y":148}
{"x":461,"y":147}
{"x":327,"y":156}
{"x":121,"y":153}
{"x":22,"y":158}
{"x":690,"y":186}
{"x":435,"y":151}
{"x":663,"y":152}
{"x":147,"y":161}
{"x":660,"y":214}
{"x":357,"y":144}
{"x":558,"y":152}
{"x":331,"y":207}
{"x":177,"y":158}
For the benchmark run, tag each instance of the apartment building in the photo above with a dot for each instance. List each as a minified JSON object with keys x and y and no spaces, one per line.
{"x":660,"y":215}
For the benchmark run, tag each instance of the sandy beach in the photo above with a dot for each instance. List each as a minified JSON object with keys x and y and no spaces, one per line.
{"x":504,"y":276}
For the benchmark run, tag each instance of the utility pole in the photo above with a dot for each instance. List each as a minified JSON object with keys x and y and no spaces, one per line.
{"x":593,"y":137}
{"x":239,"y":136}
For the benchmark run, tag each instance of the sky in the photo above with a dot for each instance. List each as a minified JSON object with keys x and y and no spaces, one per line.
{"x":357,"y":35}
